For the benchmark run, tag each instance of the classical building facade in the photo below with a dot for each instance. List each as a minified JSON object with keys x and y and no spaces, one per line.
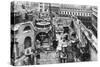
{"x":23,"y":41}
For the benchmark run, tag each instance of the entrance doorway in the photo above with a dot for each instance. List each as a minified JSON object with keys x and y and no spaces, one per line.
{"x":27,"y":42}
{"x":43,"y":38}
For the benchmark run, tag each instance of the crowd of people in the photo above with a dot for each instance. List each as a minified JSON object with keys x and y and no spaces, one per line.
{"x":69,"y":47}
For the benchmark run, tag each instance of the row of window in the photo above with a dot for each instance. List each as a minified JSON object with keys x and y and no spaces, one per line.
{"x":73,"y":9}
{"x":75,"y":13}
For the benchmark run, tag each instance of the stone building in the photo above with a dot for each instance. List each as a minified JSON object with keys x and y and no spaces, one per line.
{"x":23,"y":41}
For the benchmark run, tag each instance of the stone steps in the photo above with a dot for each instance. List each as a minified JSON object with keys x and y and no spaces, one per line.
{"x":48,"y":58}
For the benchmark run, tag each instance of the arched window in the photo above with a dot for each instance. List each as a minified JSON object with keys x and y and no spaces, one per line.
{"x":73,"y":13}
{"x":78,"y":14}
{"x":27,"y":42}
{"x":27,"y":28}
{"x":60,"y":12}
{"x":66,"y":12}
